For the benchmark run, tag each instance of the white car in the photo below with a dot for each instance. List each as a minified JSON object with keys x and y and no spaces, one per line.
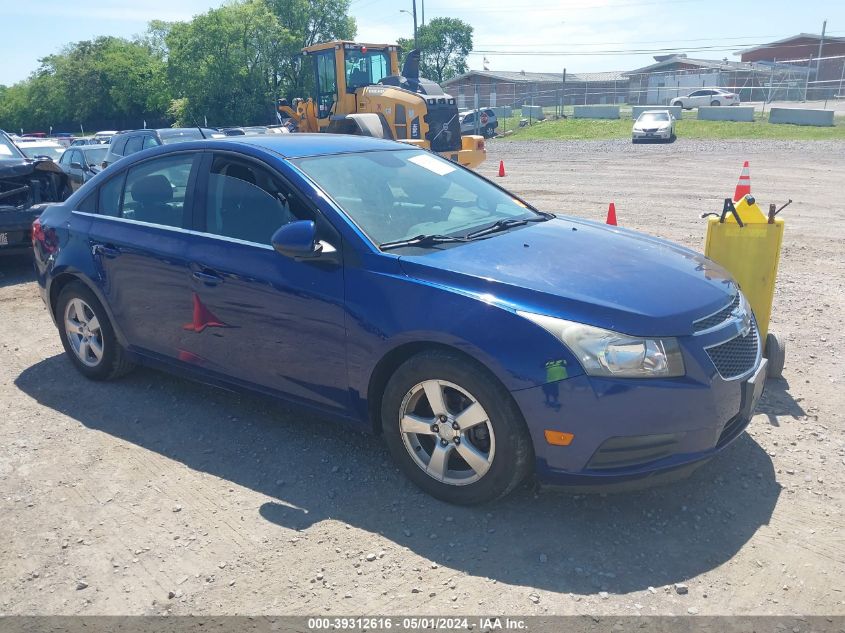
{"x":40,"y":147}
{"x":654,"y":125}
{"x":706,"y":97}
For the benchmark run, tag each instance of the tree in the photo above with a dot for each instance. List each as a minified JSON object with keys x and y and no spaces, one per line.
{"x":444,"y":44}
{"x":310,"y":22}
{"x":223,"y":63}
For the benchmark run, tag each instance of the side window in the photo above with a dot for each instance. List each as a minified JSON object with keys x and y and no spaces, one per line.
{"x":696,"y":93}
{"x":155,"y":190}
{"x":133,"y":145}
{"x":110,"y":196}
{"x":470,"y":118}
{"x":65,"y":158}
{"x":118,"y":145}
{"x":247,"y":202}
{"x":89,"y":205}
{"x":150,"y":141}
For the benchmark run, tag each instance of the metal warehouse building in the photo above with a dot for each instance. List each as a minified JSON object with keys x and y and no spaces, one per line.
{"x":505,"y":88}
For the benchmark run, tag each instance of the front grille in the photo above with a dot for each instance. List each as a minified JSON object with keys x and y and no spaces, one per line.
{"x":737,"y":356}
{"x":715,"y":319}
{"x":443,"y":139}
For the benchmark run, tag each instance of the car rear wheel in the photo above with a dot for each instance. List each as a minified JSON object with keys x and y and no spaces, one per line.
{"x":453,"y":430}
{"x":87,"y":334}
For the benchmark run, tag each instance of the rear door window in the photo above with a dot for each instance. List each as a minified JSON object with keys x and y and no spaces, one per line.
{"x":156,"y":190}
{"x":133,"y":145}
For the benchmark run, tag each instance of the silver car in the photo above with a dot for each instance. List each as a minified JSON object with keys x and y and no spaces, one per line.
{"x":654,"y":125}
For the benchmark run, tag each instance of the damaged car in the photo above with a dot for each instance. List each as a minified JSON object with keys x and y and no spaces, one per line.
{"x":25,"y":186}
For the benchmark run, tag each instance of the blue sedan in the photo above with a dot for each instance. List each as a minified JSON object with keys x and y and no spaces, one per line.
{"x":410,"y":297}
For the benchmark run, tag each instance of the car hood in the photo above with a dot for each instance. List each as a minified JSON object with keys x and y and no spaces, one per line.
{"x":583,"y":271}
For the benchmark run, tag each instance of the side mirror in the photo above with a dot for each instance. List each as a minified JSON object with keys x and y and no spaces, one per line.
{"x":298,"y":240}
{"x":76,"y":165}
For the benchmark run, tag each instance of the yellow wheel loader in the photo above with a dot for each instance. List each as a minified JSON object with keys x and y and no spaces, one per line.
{"x":360,"y":91}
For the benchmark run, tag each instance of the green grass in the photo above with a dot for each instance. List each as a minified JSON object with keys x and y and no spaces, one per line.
{"x":600,"y":129}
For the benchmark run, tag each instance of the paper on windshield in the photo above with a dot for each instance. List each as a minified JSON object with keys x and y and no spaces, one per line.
{"x":439,"y":167}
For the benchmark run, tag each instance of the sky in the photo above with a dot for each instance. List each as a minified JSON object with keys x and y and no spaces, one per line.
{"x":533,"y":35}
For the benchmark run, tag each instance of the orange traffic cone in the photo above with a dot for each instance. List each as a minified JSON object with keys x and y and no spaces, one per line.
{"x":743,"y":186}
{"x":501,"y":169}
{"x":611,"y":214}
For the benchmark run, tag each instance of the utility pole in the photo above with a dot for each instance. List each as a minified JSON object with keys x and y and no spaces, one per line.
{"x":422,"y":6}
{"x":416,"y":44}
{"x":818,"y":61}
{"x":821,"y":44}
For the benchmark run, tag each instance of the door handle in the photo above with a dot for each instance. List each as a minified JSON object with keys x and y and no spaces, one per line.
{"x":105,"y":251}
{"x":207,"y":277}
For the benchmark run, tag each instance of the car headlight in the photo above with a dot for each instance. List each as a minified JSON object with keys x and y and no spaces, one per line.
{"x":606,"y":353}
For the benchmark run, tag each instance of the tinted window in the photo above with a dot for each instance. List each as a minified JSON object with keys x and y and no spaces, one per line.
{"x":65,"y":159}
{"x":133,"y":145}
{"x":155,"y":190}
{"x":150,"y":141}
{"x":247,"y":202}
{"x":118,"y":144}
{"x":110,"y":196}
{"x":89,"y":204}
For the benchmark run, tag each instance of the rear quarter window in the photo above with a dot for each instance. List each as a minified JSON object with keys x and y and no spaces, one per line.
{"x":109,"y":198}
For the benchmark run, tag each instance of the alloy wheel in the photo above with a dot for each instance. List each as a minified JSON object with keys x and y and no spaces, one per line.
{"x":447,"y":432}
{"x":84,"y":332}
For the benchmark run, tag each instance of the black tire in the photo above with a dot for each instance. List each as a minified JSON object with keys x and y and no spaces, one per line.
{"x":513,"y":456}
{"x":775,"y":353}
{"x":489,"y":131}
{"x":714,"y":103}
{"x":114,"y":361}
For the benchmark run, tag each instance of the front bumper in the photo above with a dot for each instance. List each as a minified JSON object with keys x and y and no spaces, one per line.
{"x":630,"y":430}
{"x":646,"y":136}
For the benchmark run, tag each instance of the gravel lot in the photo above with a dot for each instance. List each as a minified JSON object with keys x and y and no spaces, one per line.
{"x":158,"y":495}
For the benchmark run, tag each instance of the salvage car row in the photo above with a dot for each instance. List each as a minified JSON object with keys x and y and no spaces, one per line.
{"x":36,"y":169}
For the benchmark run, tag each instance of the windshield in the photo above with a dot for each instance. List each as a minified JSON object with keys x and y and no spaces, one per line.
{"x":96,"y":154}
{"x":365,"y":69}
{"x":7,"y":148}
{"x":53,"y":151}
{"x":396,"y":195}
{"x":653,"y":117}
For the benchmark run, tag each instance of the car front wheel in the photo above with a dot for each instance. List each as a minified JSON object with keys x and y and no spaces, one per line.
{"x":87,"y":334}
{"x":714,"y":102}
{"x":453,"y":429}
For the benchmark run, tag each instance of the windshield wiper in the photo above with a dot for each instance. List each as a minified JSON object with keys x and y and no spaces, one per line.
{"x":507,"y":223}
{"x":422,"y":240}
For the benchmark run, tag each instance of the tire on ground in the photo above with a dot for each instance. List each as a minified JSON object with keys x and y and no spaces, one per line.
{"x":514,"y":455}
{"x":115,"y":362}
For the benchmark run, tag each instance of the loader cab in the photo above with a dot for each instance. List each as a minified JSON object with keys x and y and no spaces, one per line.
{"x":341,"y":68}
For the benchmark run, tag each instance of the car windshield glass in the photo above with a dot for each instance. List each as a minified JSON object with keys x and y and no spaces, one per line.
{"x":7,"y":148}
{"x":653,"y":117}
{"x":396,"y":195}
{"x":53,"y":151}
{"x":95,"y":155}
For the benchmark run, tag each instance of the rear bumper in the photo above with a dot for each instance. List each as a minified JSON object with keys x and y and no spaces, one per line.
{"x":17,"y":229}
{"x":633,"y":431}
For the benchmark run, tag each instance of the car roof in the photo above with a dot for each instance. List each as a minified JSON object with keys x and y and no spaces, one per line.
{"x":298,"y":145}
{"x":38,"y":142}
